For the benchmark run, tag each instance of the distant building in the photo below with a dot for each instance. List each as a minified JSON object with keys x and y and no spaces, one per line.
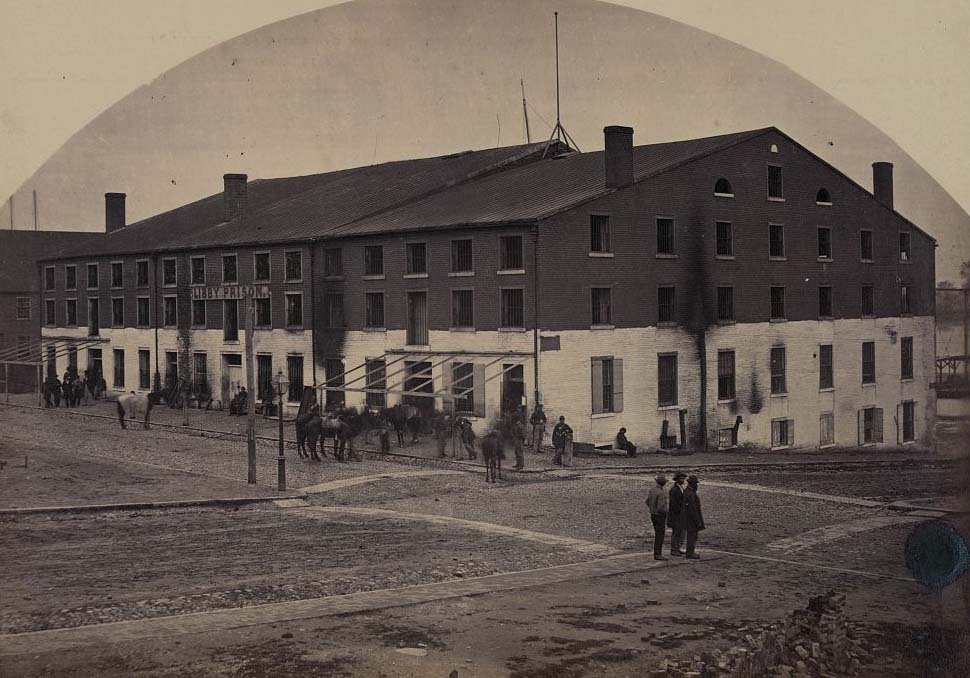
{"x":732,"y":290}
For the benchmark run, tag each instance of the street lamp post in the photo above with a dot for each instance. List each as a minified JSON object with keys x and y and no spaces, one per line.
{"x":281,"y":385}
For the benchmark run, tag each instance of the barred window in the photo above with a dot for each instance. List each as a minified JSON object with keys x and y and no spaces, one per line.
{"x":906,"y":358}
{"x":70,"y":277}
{"x":374,"y":260}
{"x":461,"y":256}
{"x":169,"y":272}
{"x":50,"y":312}
{"x":599,"y":233}
{"x":261,"y":266}
{"x":417,"y":258}
{"x":725,"y":304}
{"x":117,"y":274}
{"x":23,"y":308}
{"x":725,"y":239}
{"x":865,"y":245}
{"x":376,"y":381}
{"x":374,"y":309}
{"x":198,"y":312}
{"x":49,"y":279}
{"x":776,"y":188}
{"x":294,"y":372}
{"x":143,"y":309}
{"x":904,"y":246}
{"x":463,"y":387}
{"x":170,"y":314}
{"x":825,"y":302}
{"x":294,"y":265}
{"x":333,"y":262}
{"x":118,"y":312}
{"x":141,"y":273}
{"x":511,"y":252}
{"x":294,"y":310}
{"x":665,"y":236}
{"x":666,"y":300}
{"x":198,"y":270}
{"x":335,"y":309}
{"x":264,"y":312}
{"x":70,"y":307}
{"x":601,"y":298}
{"x":118,"y":358}
{"x":229,"y":272}
{"x":144,"y":369}
{"x":776,"y":241}
{"x":826,"y":374}
{"x":868,"y":362}
{"x":725,"y":375}
{"x":92,"y":276}
{"x":905,"y":300}
{"x":777,"y":303}
{"x":909,"y":421}
{"x":778,"y":381}
{"x":824,"y":243}
{"x":512,"y":308}
{"x":462,"y":308}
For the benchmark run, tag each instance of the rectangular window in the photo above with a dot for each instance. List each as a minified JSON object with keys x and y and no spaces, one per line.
{"x":118,"y":312}
{"x":665,"y":236}
{"x":725,"y":304}
{"x":92,"y":276}
{"x":198,"y":313}
{"x":170,"y":315}
{"x":512,"y":308}
{"x":374,"y":309}
{"x":417,"y":318}
{"x":143,"y":308}
{"x":865,"y":245}
{"x":607,"y":384}
{"x":906,"y":358}
{"x":825,"y":302}
{"x":294,"y":310}
{"x":230,"y":320}
{"x":607,"y":379}
{"x":70,"y":309}
{"x":725,"y":375}
{"x":294,"y":265}
{"x":778,"y":381}
{"x":23,"y":308}
{"x":462,"y":308}
{"x":141,"y":273}
{"x":777,"y":303}
{"x":335,"y":309}
{"x":868,"y":362}
{"x":374,"y":260}
{"x":904,"y":243}
{"x":461,"y":256}
{"x":334,"y":370}
{"x":417,"y":262}
{"x":776,"y":187}
{"x":463,"y":387}
{"x":782,"y":433}
{"x":666,"y":300}
{"x":666,"y":380}
{"x":824,"y":243}
{"x":200,"y":372}
{"x":599,"y":233}
{"x":117,"y":274}
{"x":826,"y":429}
{"x":230,"y":273}
{"x":118,"y":357}
{"x":264,"y":379}
{"x":905,"y":300}
{"x":263,"y":316}
{"x":826,"y":373}
{"x":50,"y":312}
{"x":169,"y":272}
{"x":867,"y":302}
{"x":261,"y":267}
{"x":198,"y":270}
{"x":601,"y":298}
{"x":70,"y":277}
{"x":776,"y":241}
{"x":49,"y":279}
{"x":870,"y":425}
{"x":144,"y":369}
{"x":725,"y":239}
{"x":333,"y":262}
{"x":376,"y":381}
{"x":94,"y":316}
{"x":294,"y":372}
{"x":511,"y":250}
{"x":909,"y":421}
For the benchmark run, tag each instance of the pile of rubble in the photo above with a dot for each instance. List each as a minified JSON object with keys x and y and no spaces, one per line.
{"x":816,"y":641}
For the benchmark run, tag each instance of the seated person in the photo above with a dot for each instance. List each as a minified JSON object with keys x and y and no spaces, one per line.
{"x":622,"y":443}
{"x":238,"y":403}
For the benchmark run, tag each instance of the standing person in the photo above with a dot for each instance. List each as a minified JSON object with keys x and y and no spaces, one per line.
{"x":559,"y":435}
{"x":693,"y":518}
{"x":442,"y":432}
{"x":657,"y":503}
{"x":675,"y":515}
{"x":518,"y":432}
{"x":538,"y":422}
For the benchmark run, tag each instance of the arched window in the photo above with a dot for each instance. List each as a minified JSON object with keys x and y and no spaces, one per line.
{"x":774,"y":148}
{"x":723,"y":187}
{"x":823,"y":197}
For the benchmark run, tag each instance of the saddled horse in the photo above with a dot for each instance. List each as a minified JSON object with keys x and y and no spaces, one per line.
{"x":132,"y":405}
{"x":403,"y":417}
{"x":342,"y":425}
{"x":493,"y":452}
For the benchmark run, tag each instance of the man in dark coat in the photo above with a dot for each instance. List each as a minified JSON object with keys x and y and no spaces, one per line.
{"x":658,"y":505}
{"x":675,"y":514}
{"x":538,"y":423}
{"x":560,"y":434}
{"x":693,"y":518}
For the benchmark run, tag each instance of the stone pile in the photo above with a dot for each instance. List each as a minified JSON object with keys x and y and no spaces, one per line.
{"x":816,"y":641}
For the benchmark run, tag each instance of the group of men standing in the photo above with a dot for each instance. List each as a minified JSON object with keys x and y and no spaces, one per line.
{"x":73,"y":389}
{"x":680,"y":510}
{"x":562,"y":437}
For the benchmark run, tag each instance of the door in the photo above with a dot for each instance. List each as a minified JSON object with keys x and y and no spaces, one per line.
{"x":171,"y":368}
{"x":294,"y":372}
{"x":418,"y":378}
{"x":231,"y":377}
{"x":94,"y":364}
{"x":264,"y":378}
{"x":417,"y":319}
{"x":513,"y":388}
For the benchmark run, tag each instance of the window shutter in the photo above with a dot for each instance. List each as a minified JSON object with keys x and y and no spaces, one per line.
{"x":479,"y":372}
{"x":917,"y":420}
{"x":596,"y":374}
{"x":861,"y":418}
{"x":791,"y":432}
{"x":899,"y":423}
{"x":877,"y":426}
{"x":618,"y":384}
{"x":448,"y":398}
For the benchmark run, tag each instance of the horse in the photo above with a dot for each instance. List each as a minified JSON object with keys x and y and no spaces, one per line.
{"x":493,"y":452}
{"x":403,"y":417}
{"x":133,"y":404}
{"x":343,"y":426}
{"x":301,"y":424}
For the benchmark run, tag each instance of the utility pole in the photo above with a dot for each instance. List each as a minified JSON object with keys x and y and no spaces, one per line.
{"x":525,"y":113}
{"x":251,"y":398}
{"x":35,"y":209}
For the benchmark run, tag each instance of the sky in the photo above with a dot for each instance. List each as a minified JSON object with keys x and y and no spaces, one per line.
{"x":99,"y":96}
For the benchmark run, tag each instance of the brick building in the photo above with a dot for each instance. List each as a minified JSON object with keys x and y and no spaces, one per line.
{"x":732,"y":290}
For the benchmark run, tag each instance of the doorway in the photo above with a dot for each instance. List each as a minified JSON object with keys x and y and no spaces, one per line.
{"x":231,"y":376}
{"x":513,"y":388}
{"x":418,"y":379}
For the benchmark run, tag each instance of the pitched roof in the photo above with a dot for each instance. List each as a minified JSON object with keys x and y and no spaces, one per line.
{"x":20,"y":251}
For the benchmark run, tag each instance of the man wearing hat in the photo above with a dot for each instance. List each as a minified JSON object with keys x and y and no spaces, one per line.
{"x":657,"y":503}
{"x":675,"y":514}
{"x":693,"y":518}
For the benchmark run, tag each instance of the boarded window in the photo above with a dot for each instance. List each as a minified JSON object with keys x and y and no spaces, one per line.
{"x":294,"y":266}
{"x":776,"y":187}
{"x":826,"y":429}
{"x":607,"y":384}
{"x":870,"y":425}
{"x":776,"y":241}
{"x":376,"y":383}
{"x":198,"y":270}
{"x":777,"y":303}
{"x":825,"y":370}
{"x":512,"y":309}
{"x":867,"y":302}
{"x":665,"y":236}
{"x":778,"y":380}
{"x":118,"y":358}
{"x":865,"y":245}
{"x":725,"y":375}
{"x":666,"y":308}
{"x":374,"y":311}
{"x":782,"y":432}
{"x":725,"y":239}
{"x":462,"y":308}
{"x":601,"y":302}
{"x":333,"y":262}
{"x":374,"y":260}
{"x":725,"y":304}
{"x":868,"y":362}
{"x":667,"y":380}
{"x":261,"y":266}
{"x":461,"y":256}
{"x":512,"y":259}
{"x":906,"y":358}
{"x":825,"y":302}
{"x":599,"y":233}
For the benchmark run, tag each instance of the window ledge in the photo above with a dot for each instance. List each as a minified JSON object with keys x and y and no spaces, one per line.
{"x":461,"y":329}
{"x":909,"y":442}
{"x":297,"y":281}
{"x":326,"y":278}
{"x":373,"y":276}
{"x":823,"y":204}
{"x":830,"y":389}
{"x":201,"y":284}
{"x":262,"y":327}
{"x":778,"y":395}
{"x":867,"y":261}
{"x":778,"y":320}
{"x":906,"y":380}
{"x":602,"y":415}
{"x":511,"y":329}
{"x":665,"y":255}
{"x":416,"y":347}
{"x":780,"y":447}
{"x":727,"y":401}
{"x":868,"y":317}
{"x":869,"y":384}
{"x":231,"y":342}
{"x":461,"y":274}
{"x":511,"y":271}
{"x":826,"y":318}
{"x":143,"y":327}
{"x":666,"y":324}
{"x":260,"y":281}
{"x":770,"y":258}
{"x":412,"y":276}
{"x":601,"y":255}
{"x":825,"y":260}
{"x":202,"y":327}
{"x":727,"y":322}
{"x":826,"y":446}
{"x":905,"y":261}
{"x":724,"y":257}
{"x":375,"y":329}
{"x":117,"y":287}
{"x":723,"y":195}
{"x":772,"y":199}
{"x":667,"y":408}
{"x":602,"y":327}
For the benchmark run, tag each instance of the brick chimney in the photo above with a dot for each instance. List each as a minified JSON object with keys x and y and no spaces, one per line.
{"x":235,"y":196}
{"x":882,"y":183}
{"x":114,"y":212}
{"x":618,"y":155}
